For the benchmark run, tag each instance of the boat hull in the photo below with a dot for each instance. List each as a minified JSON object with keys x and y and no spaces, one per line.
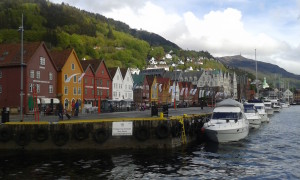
{"x":228,"y":135}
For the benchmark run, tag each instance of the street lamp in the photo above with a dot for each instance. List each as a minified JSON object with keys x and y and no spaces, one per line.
{"x":21,"y":28}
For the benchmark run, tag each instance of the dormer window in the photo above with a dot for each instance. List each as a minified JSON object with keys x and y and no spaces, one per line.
{"x":73,"y":66}
{"x":42,"y":61}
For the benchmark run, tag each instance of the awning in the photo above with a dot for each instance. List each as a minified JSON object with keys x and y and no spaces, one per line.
{"x":48,"y":100}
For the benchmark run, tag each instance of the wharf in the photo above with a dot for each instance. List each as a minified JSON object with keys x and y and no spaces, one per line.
{"x":126,"y":130}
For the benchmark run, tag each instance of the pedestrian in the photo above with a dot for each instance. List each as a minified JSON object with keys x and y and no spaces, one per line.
{"x":202,"y":103}
{"x":73,"y":108}
{"x":60,"y":111}
{"x":76,"y":108}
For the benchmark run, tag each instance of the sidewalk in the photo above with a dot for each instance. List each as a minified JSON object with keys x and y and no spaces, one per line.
{"x":127,"y":114}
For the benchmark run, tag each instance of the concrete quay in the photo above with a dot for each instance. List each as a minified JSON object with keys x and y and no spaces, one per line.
{"x":125,"y":130}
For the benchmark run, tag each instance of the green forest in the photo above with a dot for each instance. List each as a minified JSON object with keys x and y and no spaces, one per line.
{"x":93,"y":36}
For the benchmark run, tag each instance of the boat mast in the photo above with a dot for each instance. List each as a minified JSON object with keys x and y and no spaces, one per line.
{"x":256,"y":75}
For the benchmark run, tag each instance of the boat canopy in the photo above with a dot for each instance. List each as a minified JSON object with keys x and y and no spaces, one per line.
{"x":230,"y":103}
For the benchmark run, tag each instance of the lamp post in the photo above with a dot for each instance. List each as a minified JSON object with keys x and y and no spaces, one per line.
{"x":175,"y":87}
{"x":21,"y":28}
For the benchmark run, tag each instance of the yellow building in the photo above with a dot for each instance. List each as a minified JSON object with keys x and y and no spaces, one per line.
{"x":70,"y":73}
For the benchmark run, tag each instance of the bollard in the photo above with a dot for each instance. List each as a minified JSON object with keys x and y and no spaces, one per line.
{"x":161,"y":115}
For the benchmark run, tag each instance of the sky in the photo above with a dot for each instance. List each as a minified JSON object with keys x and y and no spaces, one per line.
{"x":221,"y":27}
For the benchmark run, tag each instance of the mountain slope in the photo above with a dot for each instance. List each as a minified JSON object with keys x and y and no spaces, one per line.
{"x":271,"y":71}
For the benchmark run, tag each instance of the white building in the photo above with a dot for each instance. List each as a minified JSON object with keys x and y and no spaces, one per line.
{"x":117,"y":83}
{"x":127,"y":92}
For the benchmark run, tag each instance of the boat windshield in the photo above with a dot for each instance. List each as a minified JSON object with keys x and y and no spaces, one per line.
{"x":258,"y":107}
{"x":249,"y":110}
{"x":226,"y":115}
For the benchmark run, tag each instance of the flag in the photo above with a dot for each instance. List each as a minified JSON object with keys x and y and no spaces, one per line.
{"x":69,"y":78}
{"x":181,"y":92}
{"x":159,"y":87}
{"x":79,"y":79}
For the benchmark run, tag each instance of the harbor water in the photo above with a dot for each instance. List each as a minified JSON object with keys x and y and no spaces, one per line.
{"x":270,"y":152}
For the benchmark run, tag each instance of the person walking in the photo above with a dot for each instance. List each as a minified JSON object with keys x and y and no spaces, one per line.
{"x":73,"y":108}
{"x":76,"y":108}
{"x":60,"y":111}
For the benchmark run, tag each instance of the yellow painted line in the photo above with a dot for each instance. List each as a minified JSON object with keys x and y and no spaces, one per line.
{"x":106,"y":120}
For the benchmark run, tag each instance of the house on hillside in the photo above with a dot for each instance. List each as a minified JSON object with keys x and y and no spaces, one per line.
{"x":69,"y":77}
{"x":40,"y":75}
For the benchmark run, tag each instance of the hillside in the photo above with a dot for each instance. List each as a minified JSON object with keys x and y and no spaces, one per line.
{"x":93,"y":36}
{"x":272,"y":72}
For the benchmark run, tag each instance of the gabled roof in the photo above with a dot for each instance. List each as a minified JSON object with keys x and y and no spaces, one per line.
{"x":123,"y":72}
{"x":60,"y":57}
{"x":161,"y":80}
{"x":10,"y":54}
{"x":112,"y":71}
{"x":95,"y":63}
{"x":150,"y":80}
{"x":85,"y":65}
{"x":138,"y":79}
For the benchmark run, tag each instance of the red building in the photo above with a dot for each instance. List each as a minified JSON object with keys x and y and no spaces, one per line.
{"x":88,"y":83}
{"x":39,"y":72}
{"x":102,"y":85}
{"x":148,"y":81}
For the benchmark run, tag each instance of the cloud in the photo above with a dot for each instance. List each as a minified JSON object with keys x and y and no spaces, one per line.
{"x":222,"y":32}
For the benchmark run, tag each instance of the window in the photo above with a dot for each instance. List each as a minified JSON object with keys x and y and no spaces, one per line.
{"x":50,"y":76}
{"x":102,"y":72}
{"x":85,"y":90}
{"x":66,"y":89}
{"x":38,"y":74}
{"x":127,"y":78}
{"x":100,"y":82}
{"x":73,"y":66}
{"x":0,"y":74}
{"x":117,"y":77}
{"x":31,"y":74}
{"x":107,"y":83}
{"x":125,"y":86}
{"x":79,"y":91}
{"x":0,"y":88}
{"x":30,"y":87}
{"x":38,"y":88}
{"x":75,"y":79}
{"x":50,"y":88}
{"x":101,"y":92}
{"x":93,"y":92}
{"x":66,"y":77}
{"x":98,"y":92}
{"x":107,"y":92}
{"x":92,"y":81}
{"x":42,"y":61}
{"x":74,"y":90}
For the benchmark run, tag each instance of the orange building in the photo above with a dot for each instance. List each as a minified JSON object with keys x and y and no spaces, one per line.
{"x":69,"y":77}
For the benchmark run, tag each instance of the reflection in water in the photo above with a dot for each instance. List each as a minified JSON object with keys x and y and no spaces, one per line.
{"x":273,"y":151}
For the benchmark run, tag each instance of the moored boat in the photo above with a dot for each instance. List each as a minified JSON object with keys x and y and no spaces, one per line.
{"x":268,"y":107}
{"x":260,"y":106}
{"x":252,"y":116}
{"x":228,"y":122}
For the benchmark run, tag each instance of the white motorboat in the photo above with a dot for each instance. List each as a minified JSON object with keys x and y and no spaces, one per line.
{"x":252,"y":116}
{"x":284,"y":105}
{"x":260,"y":106}
{"x":228,"y":122}
{"x":268,"y":107}
{"x":275,"y":105}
